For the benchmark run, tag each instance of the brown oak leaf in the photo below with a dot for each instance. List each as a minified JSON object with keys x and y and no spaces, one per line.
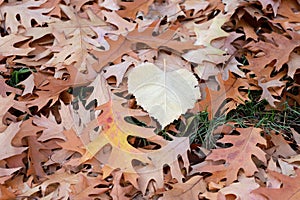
{"x":236,"y":157}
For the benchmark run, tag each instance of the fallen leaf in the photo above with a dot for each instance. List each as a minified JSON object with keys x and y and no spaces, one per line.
{"x":172,"y":93}
{"x":236,"y":157}
{"x":187,"y":190}
{"x":205,"y":36}
{"x":100,"y":92}
{"x":289,"y":189}
{"x":12,"y":10}
{"x":133,"y":7}
{"x":6,"y":137}
{"x":6,"y":104}
{"x":293,"y":64}
{"x":240,"y":190}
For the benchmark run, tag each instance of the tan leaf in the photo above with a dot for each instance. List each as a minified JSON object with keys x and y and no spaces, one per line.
{"x":6,"y":137}
{"x":241,"y":189}
{"x":7,"y":46}
{"x":4,"y":88}
{"x":228,"y":90}
{"x":100,"y":91}
{"x":289,"y":190}
{"x":282,"y":147}
{"x":187,"y":190}
{"x":119,"y":70}
{"x":195,"y":5}
{"x":294,"y":64}
{"x":282,"y":46}
{"x":266,"y":93}
{"x":205,"y":36}
{"x":237,"y":157}
{"x":29,"y":85}
{"x":274,"y":4}
{"x":8,"y":171}
{"x":6,"y":104}
{"x":10,"y":11}
{"x":208,"y":53}
{"x":131,"y":8}
{"x":296,"y":135}
{"x":51,"y":128}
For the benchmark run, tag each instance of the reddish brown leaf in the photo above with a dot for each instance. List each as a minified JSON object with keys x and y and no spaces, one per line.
{"x":236,"y":157}
{"x":290,"y":188}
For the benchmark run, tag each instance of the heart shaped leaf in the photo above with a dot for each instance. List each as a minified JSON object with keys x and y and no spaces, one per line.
{"x":164,"y":95}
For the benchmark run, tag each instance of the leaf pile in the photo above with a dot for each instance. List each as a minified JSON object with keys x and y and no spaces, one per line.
{"x":96,"y":98}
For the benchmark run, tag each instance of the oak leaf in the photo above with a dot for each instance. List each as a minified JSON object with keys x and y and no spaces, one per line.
{"x":119,"y":70}
{"x":266,"y":94}
{"x":4,"y":89}
{"x":73,"y":40}
{"x":187,"y":190}
{"x":112,"y":143}
{"x":228,"y":90}
{"x":167,"y":155}
{"x":64,"y":179}
{"x":274,"y":4}
{"x":282,"y":147}
{"x":127,"y":45}
{"x":289,"y":190}
{"x":100,"y":90}
{"x":6,"y":104}
{"x":206,"y":36}
{"x":170,"y":10}
{"x":123,"y":26}
{"x":279,"y":51}
{"x":115,"y":132}
{"x":28,"y":84}
{"x":24,"y":10}
{"x":232,"y":5}
{"x":287,"y":10}
{"x":38,"y":153}
{"x":131,"y":8}
{"x":195,"y":5}
{"x":207,"y":53}
{"x":241,"y":190}
{"x":6,"y":137}
{"x":110,"y":4}
{"x":159,"y":40}
{"x":236,"y":157}
{"x":27,"y":128}
{"x":7,"y":46}
{"x":293,"y":64}
{"x":7,"y":171}
{"x":51,"y":129}
{"x":118,"y":191}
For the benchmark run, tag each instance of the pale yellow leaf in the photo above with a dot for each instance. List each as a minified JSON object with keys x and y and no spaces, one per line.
{"x":164,"y":95}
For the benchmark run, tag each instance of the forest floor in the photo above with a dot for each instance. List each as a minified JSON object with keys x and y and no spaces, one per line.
{"x":150,"y":99}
